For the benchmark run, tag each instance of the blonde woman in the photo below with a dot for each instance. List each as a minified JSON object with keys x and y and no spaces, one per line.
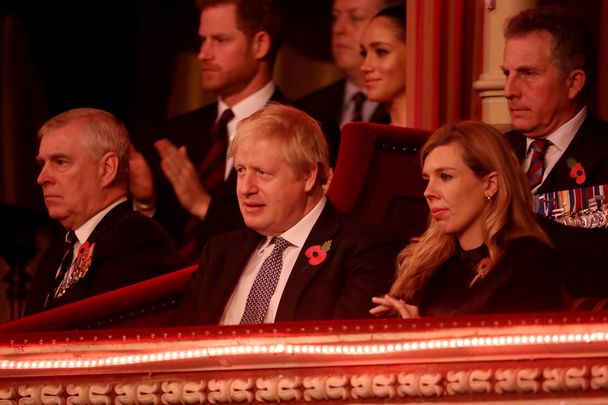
{"x":483,"y":251}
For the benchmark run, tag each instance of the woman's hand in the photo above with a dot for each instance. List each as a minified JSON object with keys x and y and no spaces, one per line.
{"x":388,"y":305}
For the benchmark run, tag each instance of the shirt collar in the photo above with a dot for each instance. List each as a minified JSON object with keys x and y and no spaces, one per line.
{"x":85,"y":230}
{"x":297,"y":234}
{"x":350,"y":89}
{"x":246,"y":107}
{"x":563,"y":135}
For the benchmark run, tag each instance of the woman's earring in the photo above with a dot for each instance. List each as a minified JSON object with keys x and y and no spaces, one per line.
{"x":488,"y":198}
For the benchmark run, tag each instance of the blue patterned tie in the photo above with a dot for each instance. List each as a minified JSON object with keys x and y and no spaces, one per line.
{"x":265,"y":283}
{"x":537,"y":163}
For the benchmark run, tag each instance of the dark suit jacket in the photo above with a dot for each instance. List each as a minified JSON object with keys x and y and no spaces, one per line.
{"x":192,"y":130}
{"x":583,"y":252}
{"x":325,"y":105}
{"x":359,"y":265}
{"x":589,"y":147}
{"x":129,"y":247}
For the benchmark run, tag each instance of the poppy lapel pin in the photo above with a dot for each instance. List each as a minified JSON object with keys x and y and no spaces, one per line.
{"x":317,"y":254}
{"x":577,"y":171}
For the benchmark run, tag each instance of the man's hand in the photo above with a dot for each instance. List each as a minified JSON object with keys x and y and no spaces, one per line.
{"x":184,"y":178}
{"x":141,"y":182}
{"x":388,"y":305}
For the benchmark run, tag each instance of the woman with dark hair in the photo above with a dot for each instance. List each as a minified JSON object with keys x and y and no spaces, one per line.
{"x":384,"y":55}
{"x":483,"y":251}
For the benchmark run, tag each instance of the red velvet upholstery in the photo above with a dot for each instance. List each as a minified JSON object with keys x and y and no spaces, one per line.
{"x":148,"y":303}
{"x":378,"y":175}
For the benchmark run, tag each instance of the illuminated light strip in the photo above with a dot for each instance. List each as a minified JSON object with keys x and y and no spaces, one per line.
{"x":356,"y":350}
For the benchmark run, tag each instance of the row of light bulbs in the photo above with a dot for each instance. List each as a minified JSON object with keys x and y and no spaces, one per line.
{"x":307,"y":349}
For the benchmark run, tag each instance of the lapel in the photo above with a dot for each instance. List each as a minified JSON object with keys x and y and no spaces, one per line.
{"x":226,"y":274}
{"x":581,"y":150}
{"x":106,"y":223}
{"x":335,"y":102}
{"x":325,"y":229}
{"x":279,"y":97}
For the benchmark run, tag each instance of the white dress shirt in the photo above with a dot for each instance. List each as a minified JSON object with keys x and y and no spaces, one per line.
{"x":242,"y":110}
{"x":348,"y":104}
{"x":297,"y":236}
{"x":560,"y":140}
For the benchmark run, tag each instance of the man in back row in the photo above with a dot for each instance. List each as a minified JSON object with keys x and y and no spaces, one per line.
{"x":549,"y":64}
{"x":299,"y":259}
{"x":346,"y":100}
{"x":240,"y":40}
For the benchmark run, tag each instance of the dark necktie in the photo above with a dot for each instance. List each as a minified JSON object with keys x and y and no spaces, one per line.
{"x":537,"y":163}
{"x":265,"y":283}
{"x":212,"y":171}
{"x":66,"y":262}
{"x":359,"y":98}
{"x":213,"y":167}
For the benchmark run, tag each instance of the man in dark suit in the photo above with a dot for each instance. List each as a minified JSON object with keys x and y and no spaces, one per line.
{"x":549,"y":64}
{"x":239,"y":44}
{"x":84,"y":157}
{"x":299,"y":258}
{"x":336,"y":104}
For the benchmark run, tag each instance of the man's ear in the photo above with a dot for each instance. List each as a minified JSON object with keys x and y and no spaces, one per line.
{"x":575,"y":81}
{"x":261,"y":44}
{"x":491,"y":185}
{"x":310,"y":175}
{"x":108,"y":168}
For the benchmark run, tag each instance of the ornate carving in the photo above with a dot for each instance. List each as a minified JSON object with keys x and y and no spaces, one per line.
{"x":148,"y":394}
{"x":89,"y":394}
{"x":599,"y":377}
{"x":367,"y":386}
{"x":420,"y":385}
{"x":469,"y":382}
{"x":278,"y":389}
{"x":182,"y":392}
{"x":230,"y":390}
{"x":517,"y":380}
{"x":7,"y":396}
{"x":50,"y":394}
{"x":325,"y":388}
{"x":565,"y":379}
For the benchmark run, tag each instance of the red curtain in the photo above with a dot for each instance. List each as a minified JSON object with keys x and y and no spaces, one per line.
{"x":444,"y":59}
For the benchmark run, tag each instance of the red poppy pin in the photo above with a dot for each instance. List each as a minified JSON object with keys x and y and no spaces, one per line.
{"x":318,"y":253}
{"x":577,"y":171}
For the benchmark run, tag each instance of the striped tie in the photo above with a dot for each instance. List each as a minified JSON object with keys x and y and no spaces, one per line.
{"x":265,"y":283}
{"x":213,"y":167}
{"x":212,"y":171}
{"x":537,"y":163}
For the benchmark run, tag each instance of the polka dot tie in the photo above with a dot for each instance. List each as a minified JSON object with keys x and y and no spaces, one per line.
{"x":265,"y":283}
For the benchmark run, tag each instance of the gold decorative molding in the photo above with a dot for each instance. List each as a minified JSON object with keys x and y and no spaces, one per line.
{"x":499,"y":359}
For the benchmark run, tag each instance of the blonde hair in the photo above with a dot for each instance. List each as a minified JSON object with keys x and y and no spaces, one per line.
{"x":299,"y":136}
{"x":507,"y":215}
{"x":102,"y":133}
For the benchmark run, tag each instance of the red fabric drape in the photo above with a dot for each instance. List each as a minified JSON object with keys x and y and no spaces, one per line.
{"x":444,"y":59}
